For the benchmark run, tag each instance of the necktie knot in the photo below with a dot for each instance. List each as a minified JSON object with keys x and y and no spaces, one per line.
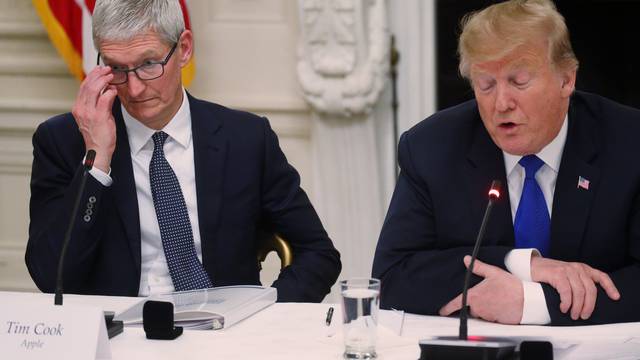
{"x":531,"y":165}
{"x":158,"y":139}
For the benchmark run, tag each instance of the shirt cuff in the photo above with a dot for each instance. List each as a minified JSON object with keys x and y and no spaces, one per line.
{"x":534,"y":310}
{"x":518,"y":262}
{"x":102,"y":177}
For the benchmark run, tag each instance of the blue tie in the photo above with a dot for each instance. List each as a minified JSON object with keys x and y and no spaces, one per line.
{"x":187,"y":273}
{"x":532,"y":225}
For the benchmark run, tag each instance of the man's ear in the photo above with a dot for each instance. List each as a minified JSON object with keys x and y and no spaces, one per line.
{"x":568,"y":78}
{"x":185,"y":47}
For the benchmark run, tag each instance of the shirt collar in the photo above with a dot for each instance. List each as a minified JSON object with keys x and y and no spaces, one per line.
{"x":178,"y":128}
{"x":550,"y":154}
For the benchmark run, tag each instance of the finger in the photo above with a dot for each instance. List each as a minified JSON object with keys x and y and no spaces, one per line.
{"x":590,"y":297}
{"x":607,"y":284}
{"x":480,"y":268}
{"x":93,"y":85}
{"x":474,"y":314}
{"x":105,"y":101}
{"x":577,"y":292}
{"x":564,"y":290}
{"x":452,"y":306}
{"x":94,"y":74}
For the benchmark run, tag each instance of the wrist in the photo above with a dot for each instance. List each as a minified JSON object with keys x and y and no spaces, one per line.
{"x":102,"y":161}
{"x":535,"y":261}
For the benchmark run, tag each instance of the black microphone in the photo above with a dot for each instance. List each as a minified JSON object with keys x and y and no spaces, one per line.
{"x":494,"y":194}
{"x":88,"y":164}
{"x":476,"y":347}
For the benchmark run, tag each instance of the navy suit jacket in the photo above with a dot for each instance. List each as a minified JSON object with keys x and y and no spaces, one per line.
{"x":447,"y":164}
{"x":244,"y":186}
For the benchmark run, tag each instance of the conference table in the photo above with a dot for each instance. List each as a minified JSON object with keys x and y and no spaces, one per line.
{"x":299,"y":331}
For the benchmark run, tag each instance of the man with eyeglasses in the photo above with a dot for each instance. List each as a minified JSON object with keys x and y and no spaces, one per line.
{"x":181,"y":189}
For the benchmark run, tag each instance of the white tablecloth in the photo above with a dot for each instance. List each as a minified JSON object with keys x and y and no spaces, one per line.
{"x":298,"y":331}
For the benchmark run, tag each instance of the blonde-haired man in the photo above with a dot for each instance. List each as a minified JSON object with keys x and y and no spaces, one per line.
{"x":563,"y":245}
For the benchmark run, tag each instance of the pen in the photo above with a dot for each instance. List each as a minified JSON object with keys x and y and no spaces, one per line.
{"x":329,"y":316}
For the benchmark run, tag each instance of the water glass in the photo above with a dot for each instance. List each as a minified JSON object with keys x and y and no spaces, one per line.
{"x":360,"y":303}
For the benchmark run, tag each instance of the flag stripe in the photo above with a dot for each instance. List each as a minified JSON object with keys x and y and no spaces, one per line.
{"x":69,"y":16}
{"x":90,"y":5}
{"x":189,"y":71}
{"x":58,"y":34}
{"x":185,"y":13}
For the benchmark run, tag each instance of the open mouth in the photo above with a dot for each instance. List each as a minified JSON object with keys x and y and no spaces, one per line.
{"x":507,"y":125}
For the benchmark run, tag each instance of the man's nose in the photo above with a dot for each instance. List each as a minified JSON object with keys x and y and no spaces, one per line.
{"x":504,"y":98}
{"x":135,"y":85}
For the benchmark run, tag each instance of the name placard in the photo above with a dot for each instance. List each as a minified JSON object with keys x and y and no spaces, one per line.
{"x":38,"y":331}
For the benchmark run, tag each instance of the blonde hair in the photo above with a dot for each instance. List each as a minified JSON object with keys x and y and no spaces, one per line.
{"x":492,"y":33}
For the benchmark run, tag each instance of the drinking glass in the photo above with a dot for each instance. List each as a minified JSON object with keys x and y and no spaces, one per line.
{"x":360,"y":303}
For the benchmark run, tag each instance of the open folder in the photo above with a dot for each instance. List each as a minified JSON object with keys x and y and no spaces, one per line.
{"x":215,"y":308}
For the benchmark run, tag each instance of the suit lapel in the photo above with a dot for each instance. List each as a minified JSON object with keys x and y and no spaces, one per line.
{"x":485,"y":164}
{"x":124,"y":187}
{"x":572,"y":203}
{"x":210,"y":152}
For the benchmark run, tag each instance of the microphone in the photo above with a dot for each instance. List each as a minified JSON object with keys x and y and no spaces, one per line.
{"x":88,"y":164}
{"x":463,"y":346}
{"x":494,"y":194}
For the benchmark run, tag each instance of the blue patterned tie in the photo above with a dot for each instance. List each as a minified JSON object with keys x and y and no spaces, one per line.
{"x":186,"y":270}
{"x":532,"y":225}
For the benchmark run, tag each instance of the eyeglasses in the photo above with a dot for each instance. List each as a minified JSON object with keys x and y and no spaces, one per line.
{"x":148,"y":71}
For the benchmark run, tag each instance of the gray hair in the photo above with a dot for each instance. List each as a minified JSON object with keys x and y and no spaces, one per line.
{"x":122,"y":20}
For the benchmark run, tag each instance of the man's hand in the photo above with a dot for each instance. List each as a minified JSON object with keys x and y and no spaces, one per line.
{"x":92,"y":111}
{"x":497,"y":298}
{"x":575,"y":282}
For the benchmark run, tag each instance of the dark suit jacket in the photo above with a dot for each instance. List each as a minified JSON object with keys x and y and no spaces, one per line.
{"x":243,"y":183}
{"x":447,"y":164}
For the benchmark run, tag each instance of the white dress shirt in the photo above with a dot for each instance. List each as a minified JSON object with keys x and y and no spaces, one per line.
{"x":178,"y":150}
{"x":518,"y":261}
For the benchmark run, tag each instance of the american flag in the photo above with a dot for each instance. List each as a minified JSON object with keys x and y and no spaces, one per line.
{"x":583,"y":183}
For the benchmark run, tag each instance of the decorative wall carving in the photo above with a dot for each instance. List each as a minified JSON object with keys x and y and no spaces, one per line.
{"x":343,"y":59}
{"x":343,"y":54}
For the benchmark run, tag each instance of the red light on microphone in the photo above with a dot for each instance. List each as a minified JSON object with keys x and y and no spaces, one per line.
{"x":89,"y":159}
{"x":494,"y":192}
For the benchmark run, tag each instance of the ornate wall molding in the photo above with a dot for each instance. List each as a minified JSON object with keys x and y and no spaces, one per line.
{"x":343,"y":54}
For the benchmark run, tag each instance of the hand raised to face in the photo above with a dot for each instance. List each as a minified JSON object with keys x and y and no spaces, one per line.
{"x":92,"y":112}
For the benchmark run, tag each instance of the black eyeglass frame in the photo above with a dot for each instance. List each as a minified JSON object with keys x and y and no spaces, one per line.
{"x":134,"y":70}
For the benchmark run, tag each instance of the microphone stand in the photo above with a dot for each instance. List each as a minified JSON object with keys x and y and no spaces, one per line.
{"x":461,"y":347}
{"x":88,"y":164}
{"x":494,"y":194}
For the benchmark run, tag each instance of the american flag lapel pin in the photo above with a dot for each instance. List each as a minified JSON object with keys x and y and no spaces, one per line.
{"x":583,"y":183}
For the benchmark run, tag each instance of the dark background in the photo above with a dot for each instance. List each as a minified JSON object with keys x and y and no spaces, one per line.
{"x":605,"y":35}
